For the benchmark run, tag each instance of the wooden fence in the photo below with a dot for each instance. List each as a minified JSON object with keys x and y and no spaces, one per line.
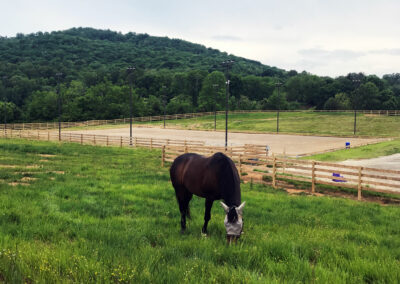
{"x":255,"y":165}
{"x":54,"y":125}
{"x":101,"y":140}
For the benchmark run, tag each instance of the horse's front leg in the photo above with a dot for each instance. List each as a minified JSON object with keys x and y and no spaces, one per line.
{"x":207,"y":216}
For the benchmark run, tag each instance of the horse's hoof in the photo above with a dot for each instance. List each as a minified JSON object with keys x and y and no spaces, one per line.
{"x":204,"y":235}
{"x":182,"y":232}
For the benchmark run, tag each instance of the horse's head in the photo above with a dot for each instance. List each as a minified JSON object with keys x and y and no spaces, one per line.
{"x":233,"y":221}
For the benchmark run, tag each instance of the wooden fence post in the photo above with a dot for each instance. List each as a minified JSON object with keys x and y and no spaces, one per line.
{"x":240,"y":165}
{"x":163,"y":156}
{"x":94,"y":139}
{"x":135,"y":141}
{"x":274,"y":173}
{"x":120,"y":142}
{"x":107,"y":141}
{"x":48,"y":135}
{"x":151,"y":143}
{"x":186,"y":149}
{"x":81,"y":139}
{"x":359,"y":187}
{"x":313,"y":177}
{"x":38,"y":135}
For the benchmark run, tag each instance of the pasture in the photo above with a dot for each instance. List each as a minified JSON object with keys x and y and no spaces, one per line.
{"x":72,"y":213}
{"x":309,"y":123}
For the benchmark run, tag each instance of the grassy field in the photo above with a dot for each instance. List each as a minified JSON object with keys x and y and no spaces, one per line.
{"x":71,"y":213}
{"x":363,"y":152}
{"x":332,"y":124}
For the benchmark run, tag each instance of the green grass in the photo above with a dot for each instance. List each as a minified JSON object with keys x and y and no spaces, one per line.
{"x":363,"y":152}
{"x":111,"y":216}
{"x":310,"y":123}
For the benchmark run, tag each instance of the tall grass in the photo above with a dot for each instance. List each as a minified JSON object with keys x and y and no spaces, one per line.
{"x":109,"y":215}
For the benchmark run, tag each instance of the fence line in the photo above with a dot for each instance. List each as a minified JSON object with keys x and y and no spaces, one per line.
{"x":254,"y":165}
{"x":101,"y":140}
{"x":54,"y":125}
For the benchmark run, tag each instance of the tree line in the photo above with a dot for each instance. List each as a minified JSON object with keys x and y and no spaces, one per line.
{"x":172,"y":74}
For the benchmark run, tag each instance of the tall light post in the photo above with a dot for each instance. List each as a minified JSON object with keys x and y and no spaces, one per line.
{"x":278,"y":86}
{"x":58,"y":76}
{"x":5,"y":106}
{"x":164,"y":88}
{"x":357,"y":83}
{"x":227,"y":64}
{"x":130,"y":70}
{"x":215,"y":86}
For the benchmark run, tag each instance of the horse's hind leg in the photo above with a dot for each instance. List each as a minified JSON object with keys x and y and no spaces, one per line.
{"x":184,"y":198}
{"x":207,"y":215}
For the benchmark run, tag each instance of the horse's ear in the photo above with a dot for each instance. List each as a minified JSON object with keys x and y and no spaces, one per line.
{"x":226,"y":208}
{"x":240,"y":208}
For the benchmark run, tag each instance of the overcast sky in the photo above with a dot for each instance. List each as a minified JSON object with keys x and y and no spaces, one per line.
{"x":320,"y":36}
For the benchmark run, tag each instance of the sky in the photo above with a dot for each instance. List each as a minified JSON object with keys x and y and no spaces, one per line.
{"x":326,"y":38}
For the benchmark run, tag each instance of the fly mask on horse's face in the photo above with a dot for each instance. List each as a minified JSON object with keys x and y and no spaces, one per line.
{"x":233,"y":221}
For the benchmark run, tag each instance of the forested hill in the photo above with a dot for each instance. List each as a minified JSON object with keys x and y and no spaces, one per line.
{"x":183,"y":76}
{"x":87,"y":49}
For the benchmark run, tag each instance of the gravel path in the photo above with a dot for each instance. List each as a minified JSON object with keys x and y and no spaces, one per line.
{"x":291,"y":144}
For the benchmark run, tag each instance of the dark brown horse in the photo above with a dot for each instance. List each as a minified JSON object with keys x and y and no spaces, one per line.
{"x":212,"y":178}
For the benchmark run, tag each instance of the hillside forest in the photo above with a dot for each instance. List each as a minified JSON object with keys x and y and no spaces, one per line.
{"x":88,"y":70}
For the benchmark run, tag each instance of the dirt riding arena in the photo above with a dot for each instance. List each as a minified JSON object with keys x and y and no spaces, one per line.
{"x":292,"y":145}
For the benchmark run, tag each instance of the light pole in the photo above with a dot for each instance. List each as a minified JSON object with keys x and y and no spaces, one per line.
{"x":357,"y":83}
{"x":59,"y":75}
{"x":130,"y":70}
{"x":5,"y":106}
{"x":215,"y":86}
{"x":227,"y":64}
{"x":164,"y":99}
{"x":278,"y":85}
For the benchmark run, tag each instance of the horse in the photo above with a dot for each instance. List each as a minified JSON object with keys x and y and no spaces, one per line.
{"x":212,"y":178}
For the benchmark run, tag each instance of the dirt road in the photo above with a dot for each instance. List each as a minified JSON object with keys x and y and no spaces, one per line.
{"x":291,"y":144}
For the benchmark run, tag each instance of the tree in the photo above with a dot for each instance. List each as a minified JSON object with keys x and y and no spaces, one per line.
{"x":366,"y":97}
{"x":212,"y":93}
{"x":340,"y":101}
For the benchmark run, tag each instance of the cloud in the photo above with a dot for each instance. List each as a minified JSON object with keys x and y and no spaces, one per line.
{"x":386,"y":51}
{"x":226,"y":38}
{"x":337,"y":54}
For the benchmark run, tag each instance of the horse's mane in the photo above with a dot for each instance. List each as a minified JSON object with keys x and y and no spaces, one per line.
{"x":229,"y":181}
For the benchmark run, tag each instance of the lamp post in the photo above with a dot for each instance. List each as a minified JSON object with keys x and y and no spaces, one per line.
{"x":130,"y":70}
{"x":278,"y":85}
{"x":227,"y":64}
{"x":5,"y":107}
{"x":357,"y":83}
{"x":215,"y":86}
{"x":59,"y":75}
{"x":164,"y":99}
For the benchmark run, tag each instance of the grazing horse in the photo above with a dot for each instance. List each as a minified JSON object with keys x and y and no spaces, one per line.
{"x":212,"y":178}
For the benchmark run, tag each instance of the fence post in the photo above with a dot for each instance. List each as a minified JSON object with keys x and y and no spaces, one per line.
{"x":38,"y":135}
{"x":135,"y":141}
{"x":240,"y":165}
{"x":107,"y":141}
{"x":313,"y":177}
{"x":120,"y":142}
{"x":274,"y":173}
{"x":81,"y":139}
{"x":186,"y":149}
{"x":48,"y":135}
{"x":94,"y":139}
{"x":359,"y":183}
{"x":163,"y":156}
{"x":151,"y":143}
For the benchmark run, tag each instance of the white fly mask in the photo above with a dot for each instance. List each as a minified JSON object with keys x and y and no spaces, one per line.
{"x":233,"y":229}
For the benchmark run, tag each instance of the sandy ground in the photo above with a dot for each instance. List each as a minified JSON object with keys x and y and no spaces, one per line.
{"x":293,"y":145}
{"x":391,"y":162}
